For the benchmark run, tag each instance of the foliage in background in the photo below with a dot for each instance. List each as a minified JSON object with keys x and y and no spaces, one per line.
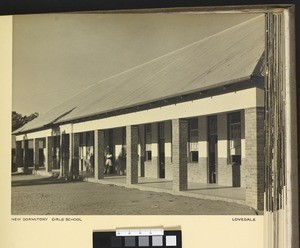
{"x":18,"y":120}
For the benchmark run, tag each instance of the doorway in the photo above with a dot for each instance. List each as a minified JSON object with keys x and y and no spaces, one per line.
{"x":161,"y":150}
{"x":234,"y":137}
{"x":212,"y":149}
{"x":56,"y":152}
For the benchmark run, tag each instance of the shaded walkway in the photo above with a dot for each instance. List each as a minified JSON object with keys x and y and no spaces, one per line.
{"x":197,"y":190}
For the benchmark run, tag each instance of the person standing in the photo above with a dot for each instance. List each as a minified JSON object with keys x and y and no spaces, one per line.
{"x":92,"y":162}
{"x":108,"y":162}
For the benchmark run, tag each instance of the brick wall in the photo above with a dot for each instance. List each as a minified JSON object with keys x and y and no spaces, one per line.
{"x":197,"y":172}
{"x":254,"y":162}
{"x":243,"y":173}
{"x":168,"y":168}
{"x":151,"y":168}
{"x":99,"y":147}
{"x":179,"y":152}
{"x":224,"y":172}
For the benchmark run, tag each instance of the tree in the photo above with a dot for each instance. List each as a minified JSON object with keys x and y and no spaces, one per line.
{"x":18,"y":120}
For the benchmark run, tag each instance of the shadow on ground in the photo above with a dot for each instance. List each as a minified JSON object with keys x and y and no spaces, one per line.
{"x":40,"y":181}
{"x":224,"y":187}
{"x":153,"y":182}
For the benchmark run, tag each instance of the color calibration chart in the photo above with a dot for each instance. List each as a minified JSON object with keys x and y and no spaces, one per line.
{"x":129,"y":238}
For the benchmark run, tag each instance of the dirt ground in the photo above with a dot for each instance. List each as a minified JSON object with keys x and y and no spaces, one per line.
{"x":36,"y":195}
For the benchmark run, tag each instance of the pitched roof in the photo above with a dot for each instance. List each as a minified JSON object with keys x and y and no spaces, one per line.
{"x":228,"y":56}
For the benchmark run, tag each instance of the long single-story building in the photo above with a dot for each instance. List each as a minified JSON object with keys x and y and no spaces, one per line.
{"x":193,"y":115}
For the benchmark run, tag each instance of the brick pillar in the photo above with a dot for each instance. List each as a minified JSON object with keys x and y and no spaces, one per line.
{"x":65,"y":153}
{"x":61,"y":167}
{"x":75,"y":156}
{"x":50,"y":153}
{"x":254,"y":161}
{"x":25,"y":156}
{"x":19,"y":157}
{"x":36,"y":154}
{"x":70,"y":155}
{"x":99,"y":160}
{"x":179,"y":153}
{"x":132,"y":139}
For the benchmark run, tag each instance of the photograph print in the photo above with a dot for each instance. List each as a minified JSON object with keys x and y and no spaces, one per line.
{"x":138,"y":114}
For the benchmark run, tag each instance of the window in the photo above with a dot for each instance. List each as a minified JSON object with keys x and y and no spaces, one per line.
{"x":148,"y":142}
{"x":161,"y":128}
{"x":234,"y":138}
{"x":213,"y":126}
{"x":89,"y":138}
{"x":148,"y":155}
{"x":193,"y":140}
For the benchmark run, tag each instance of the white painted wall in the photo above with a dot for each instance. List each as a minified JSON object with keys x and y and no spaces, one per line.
{"x":212,"y":105}
{"x":34,"y":135}
{"x":247,"y":98}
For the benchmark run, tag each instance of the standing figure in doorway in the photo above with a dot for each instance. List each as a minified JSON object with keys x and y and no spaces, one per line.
{"x":92,"y":162}
{"x":108,"y":162}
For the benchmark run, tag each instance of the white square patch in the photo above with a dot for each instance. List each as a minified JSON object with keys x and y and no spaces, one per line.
{"x":171,"y":240}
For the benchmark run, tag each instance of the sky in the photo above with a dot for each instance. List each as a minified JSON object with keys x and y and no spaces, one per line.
{"x":55,"y":56}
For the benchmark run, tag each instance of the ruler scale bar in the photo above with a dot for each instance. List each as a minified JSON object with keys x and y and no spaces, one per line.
{"x":139,"y":232}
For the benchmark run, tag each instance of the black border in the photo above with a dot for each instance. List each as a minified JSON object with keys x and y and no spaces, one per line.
{"x":9,"y":7}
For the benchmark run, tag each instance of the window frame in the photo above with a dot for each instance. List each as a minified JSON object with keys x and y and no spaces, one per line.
{"x":148,"y":142}
{"x":193,"y":128}
{"x":230,"y":123}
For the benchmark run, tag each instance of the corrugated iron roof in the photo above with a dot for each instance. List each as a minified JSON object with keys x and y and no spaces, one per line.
{"x":227,"y":56}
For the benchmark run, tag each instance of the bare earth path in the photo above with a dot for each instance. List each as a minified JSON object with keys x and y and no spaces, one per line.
{"x":35,"y":195}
